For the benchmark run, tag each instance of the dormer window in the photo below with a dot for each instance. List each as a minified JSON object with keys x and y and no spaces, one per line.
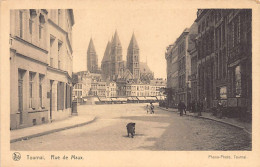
{"x":41,"y":19}
{"x":33,"y":13}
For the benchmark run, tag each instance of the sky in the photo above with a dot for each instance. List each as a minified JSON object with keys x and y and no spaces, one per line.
{"x":156,"y":25}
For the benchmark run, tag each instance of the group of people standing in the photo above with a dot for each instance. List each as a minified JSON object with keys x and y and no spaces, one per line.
{"x":150,"y":108}
{"x":192,"y":107}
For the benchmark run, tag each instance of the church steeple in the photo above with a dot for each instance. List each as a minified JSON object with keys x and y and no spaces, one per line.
{"x":92,"y":59}
{"x":133,"y":58}
{"x":133,"y":43}
{"x":91,"y":47}
{"x":116,"y":41}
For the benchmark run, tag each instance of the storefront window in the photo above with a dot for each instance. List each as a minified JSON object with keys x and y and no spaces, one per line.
{"x":223,"y":92}
{"x":238,"y":81}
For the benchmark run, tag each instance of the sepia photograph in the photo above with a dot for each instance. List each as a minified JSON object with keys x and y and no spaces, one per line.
{"x":126,"y":77}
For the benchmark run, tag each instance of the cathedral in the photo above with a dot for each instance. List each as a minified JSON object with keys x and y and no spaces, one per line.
{"x":113,"y":67}
{"x":92,"y":58}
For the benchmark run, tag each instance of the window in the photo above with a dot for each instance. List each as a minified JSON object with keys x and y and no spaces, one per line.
{"x":41,"y":77}
{"x":238,"y":81}
{"x":223,"y":92}
{"x":30,"y":26}
{"x":31,"y":78}
{"x":40,"y":31}
{"x":51,"y":48}
{"x":21,"y":23}
{"x":59,"y":54}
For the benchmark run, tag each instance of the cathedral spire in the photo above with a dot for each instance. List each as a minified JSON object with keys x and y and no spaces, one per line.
{"x":116,"y":41}
{"x":92,"y":59}
{"x":91,"y":47}
{"x":133,"y":43}
{"x":107,"y":52}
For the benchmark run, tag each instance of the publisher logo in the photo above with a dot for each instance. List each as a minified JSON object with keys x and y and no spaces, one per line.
{"x":16,"y":156}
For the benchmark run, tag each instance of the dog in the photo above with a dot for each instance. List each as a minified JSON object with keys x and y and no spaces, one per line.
{"x":130,"y":129}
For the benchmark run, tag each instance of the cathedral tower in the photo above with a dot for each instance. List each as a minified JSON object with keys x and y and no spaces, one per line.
{"x":105,"y":64}
{"x":133,"y":63}
{"x":92,"y":59}
{"x":115,"y":56}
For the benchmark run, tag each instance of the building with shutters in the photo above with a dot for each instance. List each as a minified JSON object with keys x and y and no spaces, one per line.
{"x":40,"y":66}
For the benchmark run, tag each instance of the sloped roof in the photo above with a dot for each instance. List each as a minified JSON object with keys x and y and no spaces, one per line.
{"x":116,"y":41}
{"x":91,"y":47}
{"x":107,"y":52}
{"x":133,"y":43}
{"x":144,"y":68}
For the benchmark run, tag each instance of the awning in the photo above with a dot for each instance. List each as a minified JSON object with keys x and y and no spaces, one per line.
{"x":114,"y":99}
{"x":160,"y":97}
{"x":141,"y":98}
{"x":151,"y":98}
{"x":129,"y":98}
{"x":95,"y":99}
{"x":122,"y":99}
{"x":135,"y":98}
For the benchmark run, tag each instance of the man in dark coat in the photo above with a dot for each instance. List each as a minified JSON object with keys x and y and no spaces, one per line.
{"x":181,"y":107}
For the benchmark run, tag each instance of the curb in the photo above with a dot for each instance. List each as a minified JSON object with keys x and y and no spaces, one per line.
{"x":51,"y":131}
{"x":212,"y":119}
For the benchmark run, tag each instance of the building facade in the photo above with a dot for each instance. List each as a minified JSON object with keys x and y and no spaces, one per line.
{"x":156,"y":87}
{"x":41,"y":65}
{"x":224,"y":58}
{"x":171,"y":56}
{"x":111,"y":89}
{"x":194,"y":70}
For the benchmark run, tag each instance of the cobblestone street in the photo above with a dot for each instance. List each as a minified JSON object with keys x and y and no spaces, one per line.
{"x":162,"y":131}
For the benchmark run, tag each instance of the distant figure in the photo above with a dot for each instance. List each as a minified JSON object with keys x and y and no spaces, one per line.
{"x":220,"y":109}
{"x":152,"y":108}
{"x":181,"y":107}
{"x":147,"y":108}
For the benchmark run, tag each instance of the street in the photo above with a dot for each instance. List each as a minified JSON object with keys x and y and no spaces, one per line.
{"x":163,"y":130}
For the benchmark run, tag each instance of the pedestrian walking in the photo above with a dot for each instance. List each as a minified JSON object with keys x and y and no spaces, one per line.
{"x":220,"y":109}
{"x":184,"y":107}
{"x":181,"y":108}
{"x":147,"y":108}
{"x":193,"y":106}
{"x":152,"y":108}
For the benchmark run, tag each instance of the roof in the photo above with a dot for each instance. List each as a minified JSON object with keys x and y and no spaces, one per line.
{"x":144,"y":68}
{"x":107,"y":52}
{"x":133,"y":43}
{"x":116,"y":41}
{"x":158,"y":82}
{"x":91,"y":47}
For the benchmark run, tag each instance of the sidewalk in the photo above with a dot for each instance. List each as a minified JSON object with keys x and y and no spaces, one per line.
{"x":247,"y":127}
{"x":44,"y":129}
